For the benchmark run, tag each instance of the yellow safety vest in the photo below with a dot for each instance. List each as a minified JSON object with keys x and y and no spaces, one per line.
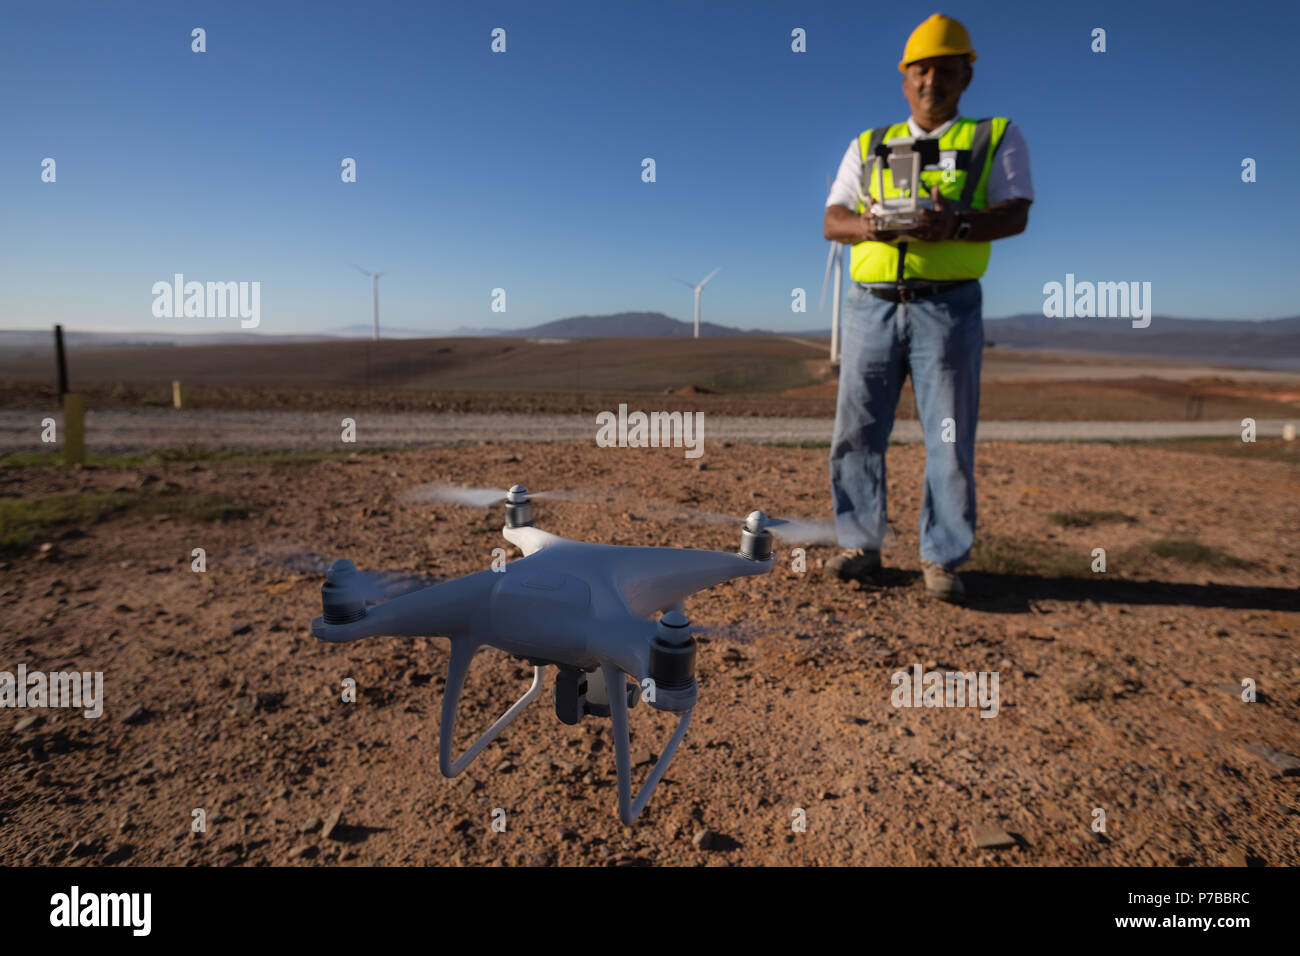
{"x":970,"y":145}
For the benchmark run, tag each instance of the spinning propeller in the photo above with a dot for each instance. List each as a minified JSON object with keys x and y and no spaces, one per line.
{"x":796,"y":530}
{"x":369,"y":586}
{"x":477,"y":497}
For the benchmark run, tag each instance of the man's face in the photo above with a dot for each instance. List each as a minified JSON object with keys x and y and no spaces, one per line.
{"x":934,"y":86}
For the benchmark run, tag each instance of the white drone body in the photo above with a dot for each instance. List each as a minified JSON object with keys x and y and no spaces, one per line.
{"x":592,"y":610}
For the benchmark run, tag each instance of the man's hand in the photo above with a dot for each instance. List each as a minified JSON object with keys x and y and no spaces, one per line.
{"x":936,"y":224}
{"x":874,"y":230}
{"x":842,"y":224}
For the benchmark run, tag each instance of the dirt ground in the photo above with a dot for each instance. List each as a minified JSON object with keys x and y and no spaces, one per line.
{"x":1118,"y":690}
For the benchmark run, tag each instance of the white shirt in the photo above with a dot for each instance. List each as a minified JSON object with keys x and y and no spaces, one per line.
{"x":1008,"y":177}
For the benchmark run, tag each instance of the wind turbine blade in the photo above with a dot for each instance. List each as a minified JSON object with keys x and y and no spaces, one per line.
{"x":364,"y":272}
{"x":705,"y":280}
{"x":830,"y":258}
{"x":689,"y":285}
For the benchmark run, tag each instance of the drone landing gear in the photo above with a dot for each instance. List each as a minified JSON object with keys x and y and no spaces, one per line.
{"x":629,"y":809}
{"x":588,"y":696}
{"x":579,"y":693}
{"x":458,"y":666}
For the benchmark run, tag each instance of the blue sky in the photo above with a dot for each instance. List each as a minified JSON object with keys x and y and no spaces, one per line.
{"x":522,"y":170}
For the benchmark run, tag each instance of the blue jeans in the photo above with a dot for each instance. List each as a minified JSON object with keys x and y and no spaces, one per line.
{"x":939,"y":341}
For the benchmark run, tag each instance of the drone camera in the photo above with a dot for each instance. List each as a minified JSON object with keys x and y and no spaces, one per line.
{"x":579,"y":694}
{"x":755,"y":539}
{"x":519,"y":508}
{"x":672,"y":663}
{"x":341,"y":595}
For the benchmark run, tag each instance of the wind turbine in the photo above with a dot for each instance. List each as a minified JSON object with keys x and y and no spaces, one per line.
{"x":374,"y":293}
{"x":834,"y":254}
{"x":699,"y":287}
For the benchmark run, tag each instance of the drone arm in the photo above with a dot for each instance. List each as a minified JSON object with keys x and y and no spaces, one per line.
{"x":665,"y":577}
{"x":443,"y":609}
{"x":528,"y":539}
{"x":462,"y":652}
{"x":628,"y":808}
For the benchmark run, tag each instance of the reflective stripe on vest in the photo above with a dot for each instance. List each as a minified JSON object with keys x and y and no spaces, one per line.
{"x":970,"y":145}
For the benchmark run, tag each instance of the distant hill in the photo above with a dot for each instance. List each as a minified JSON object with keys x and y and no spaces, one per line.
{"x":621,"y":325}
{"x":617,"y":326}
{"x":362,"y":330}
{"x":44,"y":338}
{"x":630,"y":325}
{"x":1272,"y":343}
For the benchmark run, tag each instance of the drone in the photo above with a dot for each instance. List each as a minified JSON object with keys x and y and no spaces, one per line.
{"x":599,"y":613}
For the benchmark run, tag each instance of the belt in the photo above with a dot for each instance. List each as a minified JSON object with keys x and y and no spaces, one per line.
{"x":919,"y":290}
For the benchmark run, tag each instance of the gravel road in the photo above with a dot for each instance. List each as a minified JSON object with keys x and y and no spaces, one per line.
{"x":116,"y":431}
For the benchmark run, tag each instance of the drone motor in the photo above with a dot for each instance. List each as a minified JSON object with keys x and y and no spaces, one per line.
{"x":755,"y":539}
{"x":672,"y":664}
{"x":519,"y":508}
{"x":343,"y":596}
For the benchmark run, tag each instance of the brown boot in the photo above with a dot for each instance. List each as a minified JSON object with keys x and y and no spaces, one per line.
{"x":942,"y":583}
{"x":855,"y":564}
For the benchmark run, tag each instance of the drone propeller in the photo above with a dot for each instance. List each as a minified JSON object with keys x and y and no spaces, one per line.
{"x":735,"y":632}
{"x":798,"y":530}
{"x":368,"y":586}
{"x":795,"y":530}
{"x":347,"y":591}
{"x":476,"y":497}
{"x":802,"y":530}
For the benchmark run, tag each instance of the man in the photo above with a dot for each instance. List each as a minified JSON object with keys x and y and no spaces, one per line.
{"x":915,"y":308}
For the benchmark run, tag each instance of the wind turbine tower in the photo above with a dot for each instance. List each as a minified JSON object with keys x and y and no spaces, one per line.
{"x":699,"y":287}
{"x":835,"y":257}
{"x":374,"y":294}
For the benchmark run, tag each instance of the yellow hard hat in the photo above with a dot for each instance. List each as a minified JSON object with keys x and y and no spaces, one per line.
{"x":937,"y":36}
